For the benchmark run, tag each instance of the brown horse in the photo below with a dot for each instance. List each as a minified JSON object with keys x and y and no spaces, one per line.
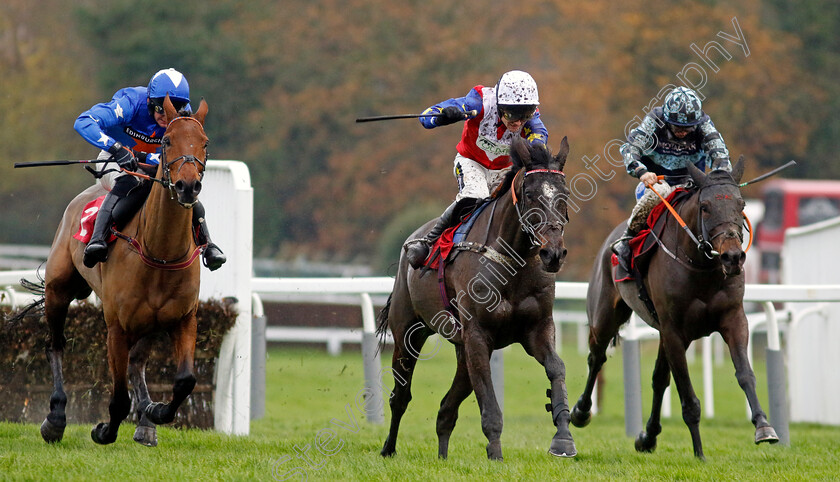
{"x":139,"y":297}
{"x":695,"y":289}
{"x":502,"y":286}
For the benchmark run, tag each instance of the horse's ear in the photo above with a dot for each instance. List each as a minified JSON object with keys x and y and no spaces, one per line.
{"x":697,"y":175}
{"x":738,"y":170}
{"x":171,"y":112}
{"x":201,"y":112}
{"x":519,"y":152}
{"x":560,"y":158}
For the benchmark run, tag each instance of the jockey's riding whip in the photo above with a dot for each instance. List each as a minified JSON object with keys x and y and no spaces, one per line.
{"x":60,"y":163}
{"x":409,"y":116}
{"x":771,"y":173}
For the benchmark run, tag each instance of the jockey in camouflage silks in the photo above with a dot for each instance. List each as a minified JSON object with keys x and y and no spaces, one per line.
{"x":668,"y":139}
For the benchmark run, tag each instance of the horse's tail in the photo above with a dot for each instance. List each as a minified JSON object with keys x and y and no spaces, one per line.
{"x":382,"y":321}
{"x":37,"y":306}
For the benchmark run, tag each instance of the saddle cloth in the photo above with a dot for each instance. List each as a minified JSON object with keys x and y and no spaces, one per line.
{"x":643,"y":245}
{"x":450,"y":237}
{"x":88,"y":219}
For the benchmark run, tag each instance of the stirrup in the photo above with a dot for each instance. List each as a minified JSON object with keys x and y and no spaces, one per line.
{"x":416,"y":252}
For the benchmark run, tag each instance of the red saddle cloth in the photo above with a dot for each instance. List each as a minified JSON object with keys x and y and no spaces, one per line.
{"x":88,"y":219}
{"x":442,"y":247}
{"x":643,"y":243}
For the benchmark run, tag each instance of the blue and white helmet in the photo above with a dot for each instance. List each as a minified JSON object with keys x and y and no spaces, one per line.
{"x":683,"y":108}
{"x":169,"y":81}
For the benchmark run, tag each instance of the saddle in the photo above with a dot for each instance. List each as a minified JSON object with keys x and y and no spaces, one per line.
{"x":644,"y":245}
{"x":442,"y":249}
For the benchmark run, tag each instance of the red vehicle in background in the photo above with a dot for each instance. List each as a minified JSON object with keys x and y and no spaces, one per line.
{"x":790,"y":203}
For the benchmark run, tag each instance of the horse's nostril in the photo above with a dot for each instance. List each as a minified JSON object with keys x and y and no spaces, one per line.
{"x":197,"y":187}
{"x":179,"y":185}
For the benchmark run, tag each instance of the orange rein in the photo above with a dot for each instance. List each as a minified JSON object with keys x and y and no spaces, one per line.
{"x":682,"y":223}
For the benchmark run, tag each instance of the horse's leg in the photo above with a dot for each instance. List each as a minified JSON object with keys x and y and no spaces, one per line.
{"x":56,"y":302}
{"x":145,"y":433}
{"x":408,"y":341}
{"x":183,"y":341}
{"x":120,"y":406}
{"x":674,"y":348}
{"x":540,"y":345}
{"x":478,"y":364}
{"x":737,"y":340}
{"x":605,"y":317}
{"x":646,"y":440}
{"x":448,"y":413}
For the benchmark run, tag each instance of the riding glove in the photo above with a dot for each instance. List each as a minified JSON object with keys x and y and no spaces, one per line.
{"x":450,"y":115}
{"x":123,"y":157}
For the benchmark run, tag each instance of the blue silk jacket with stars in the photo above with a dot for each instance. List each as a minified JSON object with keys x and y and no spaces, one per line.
{"x":125,"y":119}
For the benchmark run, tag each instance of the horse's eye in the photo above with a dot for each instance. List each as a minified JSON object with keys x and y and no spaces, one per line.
{"x":166,"y":141}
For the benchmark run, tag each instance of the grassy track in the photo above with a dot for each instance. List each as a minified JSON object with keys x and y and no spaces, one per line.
{"x":311,"y":398}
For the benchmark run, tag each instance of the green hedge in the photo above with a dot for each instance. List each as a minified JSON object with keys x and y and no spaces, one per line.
{"x":26,"y":378}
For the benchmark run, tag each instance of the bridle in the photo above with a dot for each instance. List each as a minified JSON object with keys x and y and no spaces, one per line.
{"x":529,"y":228}
{"x":704,"y":243}
{"x":166,"y":180}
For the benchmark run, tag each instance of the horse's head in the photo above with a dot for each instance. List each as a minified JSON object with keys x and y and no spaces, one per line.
{"x":540,"y":195}
{"x":720,"y":217}
{"x":184,"y":153}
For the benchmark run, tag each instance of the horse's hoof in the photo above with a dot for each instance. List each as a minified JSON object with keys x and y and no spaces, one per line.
{"x":51,"y":432}
{"x":562,"y":447}
{"x":146,"y":436}
{"x":644,"y":443}
{"x":98,"y":434}
{"x":580,"y":418}
{"x":389,"y":449}
{"x":766,"y":434}
{"x":494,"y":450}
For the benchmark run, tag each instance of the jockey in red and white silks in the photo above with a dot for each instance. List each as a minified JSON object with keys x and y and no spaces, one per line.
{"x":493,"y":115}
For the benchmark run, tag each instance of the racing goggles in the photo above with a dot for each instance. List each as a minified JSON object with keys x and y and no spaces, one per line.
{"x":514,"y":113}
{"x":158,"y":104}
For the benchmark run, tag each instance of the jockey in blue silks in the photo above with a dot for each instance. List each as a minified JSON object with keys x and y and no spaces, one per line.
{"x":127,"y":129}
{"x":501,"y":112}
{"x":669,"y":138}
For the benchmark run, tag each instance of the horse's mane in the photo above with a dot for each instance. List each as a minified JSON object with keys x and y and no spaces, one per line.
{"x":540,"y":159}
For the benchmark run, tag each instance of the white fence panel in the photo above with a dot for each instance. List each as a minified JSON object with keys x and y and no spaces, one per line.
{"x":809,"y":256}
{"x":229,"y":203}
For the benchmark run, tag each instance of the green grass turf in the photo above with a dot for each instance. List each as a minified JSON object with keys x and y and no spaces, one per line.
{"x":311,"y":401}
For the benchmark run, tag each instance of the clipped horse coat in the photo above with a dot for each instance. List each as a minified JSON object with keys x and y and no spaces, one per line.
{"x":503,"y":291}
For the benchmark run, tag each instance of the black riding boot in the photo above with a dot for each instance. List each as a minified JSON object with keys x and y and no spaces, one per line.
{"x":212,"y":256}
{"x":97,"y":248}
{"x":417,"y":250}
{"x":621,"y":248}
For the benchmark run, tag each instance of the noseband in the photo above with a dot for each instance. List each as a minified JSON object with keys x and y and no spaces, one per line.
{"x":527,"y":227}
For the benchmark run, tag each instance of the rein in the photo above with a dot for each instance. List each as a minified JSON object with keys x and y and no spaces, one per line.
{"x":166,"y":182}
{"x":704,"y":244}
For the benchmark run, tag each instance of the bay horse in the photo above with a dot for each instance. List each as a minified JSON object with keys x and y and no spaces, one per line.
{"x":695,"y":289}
{"x":502,"y":286}
{"x":139,"y":295}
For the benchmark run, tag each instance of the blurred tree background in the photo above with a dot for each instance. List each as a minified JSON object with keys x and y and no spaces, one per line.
{"x":285,"y":81}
